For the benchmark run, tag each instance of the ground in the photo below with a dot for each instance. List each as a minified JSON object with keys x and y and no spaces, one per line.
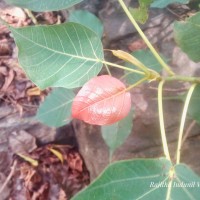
{"x":60,"y":171}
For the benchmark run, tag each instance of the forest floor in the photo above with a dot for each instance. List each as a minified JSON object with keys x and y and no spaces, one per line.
{"x":57,"y":169}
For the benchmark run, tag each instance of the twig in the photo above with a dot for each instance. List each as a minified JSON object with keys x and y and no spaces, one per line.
{"x":172,"y":12}
{"x":183,"y":89}
{"x":31,"y":16}
{"x":122,"y":67}
{"x":108,"y":70}
{"x":9,"y":176}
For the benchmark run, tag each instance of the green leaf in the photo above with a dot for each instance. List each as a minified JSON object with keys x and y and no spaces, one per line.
{"x":145,"y":179}
{"x":55,"y":111}
{"x":65,"y":55}
{"x":148,"y":59}
{"x":165,"y":3}
{"x":115,"y":134}
{"x":187,"y":35}
{"x":87,"y":19}
{"x":44,"y":5}
{"x":141,"y":14}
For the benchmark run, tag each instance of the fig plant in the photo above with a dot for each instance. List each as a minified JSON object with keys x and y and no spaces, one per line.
{"x":71,"y":55}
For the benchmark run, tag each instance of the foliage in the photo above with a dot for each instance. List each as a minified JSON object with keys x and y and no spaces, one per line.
{"x":87,"y":19}
{"x":187,"y":35}
{"x":102,"y":100}
{"x":147,"y":179}
{"x":65,"y":55}
{"x":44,"y":5}
{"x":115,"y":134}
{"x":56,"y":109}
{"x":141,"y":14}
{"x":70,"y":55}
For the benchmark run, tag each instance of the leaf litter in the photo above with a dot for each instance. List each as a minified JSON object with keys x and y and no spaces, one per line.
{"x":51,"y":179}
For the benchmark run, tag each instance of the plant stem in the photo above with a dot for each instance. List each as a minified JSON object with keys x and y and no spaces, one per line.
{"x":183,"y":78}
{"x":31,"y":16}
{"x":122,"y":67}
{"x":157,"y":56}
{"x":183,"y":118}
{"x":107,"y":68}
{"x":171,"y":177}
{"x":125,"y":75}
{"x":169,"y":189}
{"x":132,"y":86}
{"x":9,"y":176}
{"x":161,"y":119}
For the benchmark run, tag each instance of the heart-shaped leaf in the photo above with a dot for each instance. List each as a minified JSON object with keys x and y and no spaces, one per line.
{"x":87,"y":19}
{"x":144,"y":179}
{"x":114,"y":135}
{"x":55,"y":111}
{"x":187,"y":35}
{"x":65,"y":55}
{"x":44,"y":5}
{"x":102,"y":100}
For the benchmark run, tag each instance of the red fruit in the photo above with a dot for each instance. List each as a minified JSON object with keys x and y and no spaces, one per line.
{"x":102,"y":100}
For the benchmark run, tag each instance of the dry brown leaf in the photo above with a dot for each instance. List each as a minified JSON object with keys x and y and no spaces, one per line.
{"x":42,"y":193}
{"x":3,"y":70}
{"x":20,"y":109}
{"x":5,"y":48}
{"x":52,"y":180}
{"x":8,"y":80}
{"x":58,"y":154}
{"x":75,"y":162}
{"x":4,"y":195}
{"x":33,"y":91}
{"x":15,"y":12}
{"x":62,"y":195}
{"x":22,"y":142}
{"x":28,"y":159}
{"x":137,"y":45}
